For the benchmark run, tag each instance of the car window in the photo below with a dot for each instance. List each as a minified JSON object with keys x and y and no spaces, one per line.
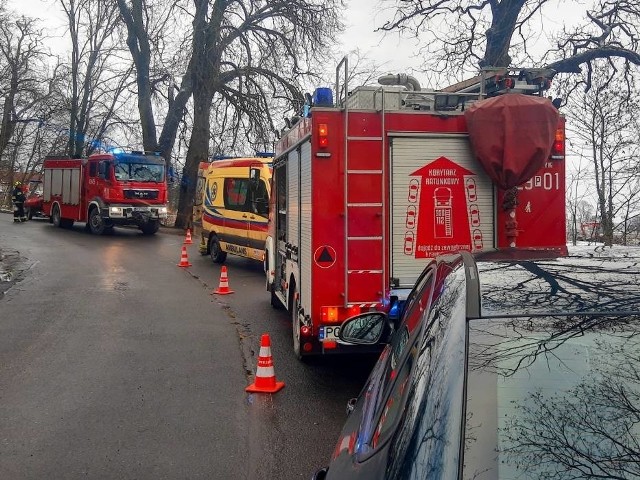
{"x":427,"y":440}
{"x":235,"y":193}
{"x":553,"y":397}
{"x":387,"y":382}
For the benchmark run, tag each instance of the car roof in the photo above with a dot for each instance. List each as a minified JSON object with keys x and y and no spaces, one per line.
{"x":532,"y":282}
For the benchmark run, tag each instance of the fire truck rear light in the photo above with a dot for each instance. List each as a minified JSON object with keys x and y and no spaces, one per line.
{"x":329,"y":314}
{"x":323,"y":135}
{"x":329,"y":344}
{"x":307,"y":347}
{"x":557,"y":152}
{"x":353,"y":311}
{"x":305,"y":331}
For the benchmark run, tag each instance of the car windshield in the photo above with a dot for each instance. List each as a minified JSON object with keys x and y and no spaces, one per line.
{"x":139,"y":172}
{"x":553,"y":397}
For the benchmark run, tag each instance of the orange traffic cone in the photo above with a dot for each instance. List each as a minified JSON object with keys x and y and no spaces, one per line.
{"x":265,"y":374}
{"x":223,"y":287}
{"x":187,"y":239}
{"x":184,"y":259}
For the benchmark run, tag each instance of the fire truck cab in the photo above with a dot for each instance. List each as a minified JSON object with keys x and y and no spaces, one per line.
{"x":369,"y":187}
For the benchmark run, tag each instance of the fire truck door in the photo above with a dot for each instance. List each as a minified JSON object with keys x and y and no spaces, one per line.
{"x":96,"y":173}
{"x":280,"y":218}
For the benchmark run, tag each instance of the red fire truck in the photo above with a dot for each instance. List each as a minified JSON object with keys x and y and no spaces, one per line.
{"x":367,"y":189}
{"x":105,"y":190}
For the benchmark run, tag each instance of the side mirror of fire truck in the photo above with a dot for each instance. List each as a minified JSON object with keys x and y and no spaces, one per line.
{"x":370,"y":328}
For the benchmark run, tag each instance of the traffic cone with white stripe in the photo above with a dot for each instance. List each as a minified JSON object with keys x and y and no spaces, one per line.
{"x":223,"y":286}
{"x":184,"y":258}
{"x":187,"y":239}
{"x":265,"y":375}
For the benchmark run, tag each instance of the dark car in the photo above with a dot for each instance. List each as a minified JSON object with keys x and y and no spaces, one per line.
{"x":504,"y":365}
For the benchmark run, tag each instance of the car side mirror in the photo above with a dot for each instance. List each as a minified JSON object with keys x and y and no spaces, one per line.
{"x":369,"y":328}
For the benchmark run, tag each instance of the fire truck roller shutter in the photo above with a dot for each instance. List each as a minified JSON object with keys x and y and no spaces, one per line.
{"x":306,"y":252}
{"x":293,"y":198}
{"x":441,"y":199}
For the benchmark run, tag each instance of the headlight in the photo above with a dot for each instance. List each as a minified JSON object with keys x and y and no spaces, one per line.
{"x":162,"y":210}
{"x":115,"y":210}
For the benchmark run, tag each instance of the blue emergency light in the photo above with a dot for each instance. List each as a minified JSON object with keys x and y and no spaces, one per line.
{"x":323,"y":97}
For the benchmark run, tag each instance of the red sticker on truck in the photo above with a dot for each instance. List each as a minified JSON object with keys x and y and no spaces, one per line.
{"x":443,"y":197}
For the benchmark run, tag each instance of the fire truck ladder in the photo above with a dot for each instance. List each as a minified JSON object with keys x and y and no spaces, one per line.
{"x":372,"y":271}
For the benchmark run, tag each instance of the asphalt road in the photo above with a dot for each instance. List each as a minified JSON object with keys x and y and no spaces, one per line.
{"x":117,"y":363}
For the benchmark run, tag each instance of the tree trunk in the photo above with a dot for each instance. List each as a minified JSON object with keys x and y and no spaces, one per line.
{"x":197,"y":152}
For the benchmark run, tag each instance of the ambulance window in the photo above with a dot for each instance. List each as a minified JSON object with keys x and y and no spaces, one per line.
{"x":235,"y":193}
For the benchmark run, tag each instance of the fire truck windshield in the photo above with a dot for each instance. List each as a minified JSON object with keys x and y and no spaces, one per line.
{"x":139,"y":172}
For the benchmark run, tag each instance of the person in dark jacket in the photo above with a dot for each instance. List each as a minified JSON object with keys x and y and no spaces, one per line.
{"x":18,"y":197}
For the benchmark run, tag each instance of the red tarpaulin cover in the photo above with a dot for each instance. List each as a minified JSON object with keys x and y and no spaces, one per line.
{"x":512,"y":136}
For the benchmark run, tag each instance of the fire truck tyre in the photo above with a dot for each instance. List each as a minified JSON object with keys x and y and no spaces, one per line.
{"x":295,"y":324}
{"x":275,"y":301}
{"x":96,"y":223}
{"x":55,"y":216}
{"x":151,"y":227}
{"x":215,"y":250}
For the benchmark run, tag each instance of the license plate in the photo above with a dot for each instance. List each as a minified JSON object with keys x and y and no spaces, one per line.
{"x":140,"y":209}
{"x":329,"y":333}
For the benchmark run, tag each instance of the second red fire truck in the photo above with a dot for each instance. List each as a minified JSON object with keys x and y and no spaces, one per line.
{"x":367,"y":188}
{"x":106,"y":190}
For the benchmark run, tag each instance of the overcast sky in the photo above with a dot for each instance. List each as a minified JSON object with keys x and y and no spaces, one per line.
{"x":360,"y":19}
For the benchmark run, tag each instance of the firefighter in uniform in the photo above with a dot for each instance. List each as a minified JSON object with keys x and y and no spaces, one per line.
{"x":18,"y":198}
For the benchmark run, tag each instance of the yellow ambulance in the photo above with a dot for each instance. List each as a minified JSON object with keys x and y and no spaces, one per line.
{"x":235,"y":207}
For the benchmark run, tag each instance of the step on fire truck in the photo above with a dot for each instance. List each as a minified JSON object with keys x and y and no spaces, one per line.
{"x":106,"y":190}
{"x":367,"y":189}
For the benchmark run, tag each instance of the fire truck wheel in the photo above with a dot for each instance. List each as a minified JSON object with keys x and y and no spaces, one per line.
{"x":275,"y":301}
{"x":151,"y":227}
{"x":55,"y":216}
{"x":295,"y":324}
{"x":217,"y":255}
{"x":96,"y":223}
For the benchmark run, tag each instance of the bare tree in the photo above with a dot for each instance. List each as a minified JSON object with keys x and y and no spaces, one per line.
{"x":95,"y":84}
{"x":459,"y":35}
{"x":21,"y":50}
{"x":604,"y":120}
{"x":148,"y":23}
{"x":578,"y":209}
{"x":249,"y":53}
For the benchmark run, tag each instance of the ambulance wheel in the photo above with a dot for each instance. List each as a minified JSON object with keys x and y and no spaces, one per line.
{"x":215,"y":250}
{"x":96,"y":223}
{"x":55,"y":216}
{"x":295,"y":329}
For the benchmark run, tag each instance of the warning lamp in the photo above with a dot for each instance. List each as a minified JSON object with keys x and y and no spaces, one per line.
{"x":557,"y":151}
{"x":329,"y":314}
{"x":323,"y":135}
{"x":305,"y":330}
